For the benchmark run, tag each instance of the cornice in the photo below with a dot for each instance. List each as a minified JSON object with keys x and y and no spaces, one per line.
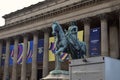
{"x":18,"y":11}
{"x":29,"y":8}
{"x":56,"y":12}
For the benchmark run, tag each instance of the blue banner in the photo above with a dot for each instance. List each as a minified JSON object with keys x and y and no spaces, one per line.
{"x":29,"y":52}
{"x":40,"y":50}
{"x":20,"y":52}
{"x":94,"y":42}
{"x":3,"y":55}
{"x":11,"y":54}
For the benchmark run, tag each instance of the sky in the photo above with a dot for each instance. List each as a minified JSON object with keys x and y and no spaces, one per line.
{"x":8,"y":6}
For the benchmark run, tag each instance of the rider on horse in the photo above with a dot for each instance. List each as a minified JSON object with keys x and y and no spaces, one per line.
{"x":73,"y":29}
{"x":73,"y":42}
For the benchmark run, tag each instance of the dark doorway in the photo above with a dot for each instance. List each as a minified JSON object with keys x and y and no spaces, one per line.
{"x":19,"y":78}
{"x":39,"y":74}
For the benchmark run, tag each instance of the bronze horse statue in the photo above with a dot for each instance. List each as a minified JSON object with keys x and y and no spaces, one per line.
{"x":64,"y":42}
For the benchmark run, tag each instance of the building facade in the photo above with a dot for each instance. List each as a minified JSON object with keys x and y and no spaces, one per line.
{"x":34,"y":22}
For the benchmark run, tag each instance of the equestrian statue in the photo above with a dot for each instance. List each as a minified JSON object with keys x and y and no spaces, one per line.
{"x":67,"y":42}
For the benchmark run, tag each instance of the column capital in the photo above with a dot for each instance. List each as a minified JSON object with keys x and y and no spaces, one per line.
{"x":7,"y":39}
{"x":1,"y":40}
{"x":86,"y":20}
{"x":103,"y":16}
{"x":25,"y":35}
{"x":36,"y":32}
{"x":15,"y":37}
{"x":46,"y":30}
{"x":117,"y":11}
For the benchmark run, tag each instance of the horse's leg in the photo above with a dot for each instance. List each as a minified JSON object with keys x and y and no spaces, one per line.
{"x":58,"y":63}
{"x":60,"y":50}
{"x":73,"y":52}
{"x":59,"y":53}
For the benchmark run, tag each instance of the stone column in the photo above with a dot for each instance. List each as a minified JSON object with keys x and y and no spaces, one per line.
{"x":6,"y":65}
{"x":114,"y":46}
{"x":0,"y":51}
{"x":45,"y":56}
{"x":87,"y":34}
{"x":104,"y":35}
{"x":119,"y":31}
{"x":14,"y":68}
{"x":25,"y":46}
{"x":34,"y":56}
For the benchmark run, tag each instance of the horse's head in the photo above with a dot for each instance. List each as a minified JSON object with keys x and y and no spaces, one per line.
{"x":55,"y":28}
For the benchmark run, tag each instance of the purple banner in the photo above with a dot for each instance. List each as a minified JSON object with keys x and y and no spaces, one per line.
{"x":20,"y":53}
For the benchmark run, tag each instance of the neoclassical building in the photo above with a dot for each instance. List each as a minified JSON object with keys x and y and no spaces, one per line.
{"x":34,"y":23}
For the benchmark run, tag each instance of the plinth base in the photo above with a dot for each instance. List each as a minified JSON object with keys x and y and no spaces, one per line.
{"x":57,"y":75}
{"x":96,"y":68}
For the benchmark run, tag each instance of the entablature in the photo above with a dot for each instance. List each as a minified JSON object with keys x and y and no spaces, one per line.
{"x":31,"y":10}
{"x":52,"y":9}
{"x":63,"y":15}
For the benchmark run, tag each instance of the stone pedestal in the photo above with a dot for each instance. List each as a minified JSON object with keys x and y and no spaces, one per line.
{"x":57,"y":75}
{"x":97,"y":68}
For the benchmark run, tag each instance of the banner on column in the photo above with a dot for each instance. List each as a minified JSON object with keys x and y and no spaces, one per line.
{"x":29,"y":52}
{"x":20,"y":53}
{"x":94,"y":42}
{"x":3,"y":55}
{"x":51,"y":49}
{"x":63,"y":56}
{"x":40,"y":50}
{"x":80,"y":35}
{"x":11,"y":54}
